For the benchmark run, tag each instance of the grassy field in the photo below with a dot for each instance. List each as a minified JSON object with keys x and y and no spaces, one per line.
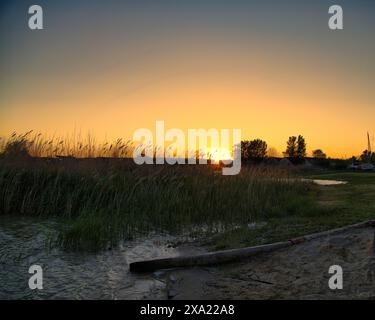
{"x":104,"y":199}
{"x":101,"y":201}
{"x":336,"y":206}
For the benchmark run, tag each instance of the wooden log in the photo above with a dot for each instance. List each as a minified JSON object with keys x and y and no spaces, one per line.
{"x":211,"y":258}
{"x":369,"y":223}
{"x":232,"y":255}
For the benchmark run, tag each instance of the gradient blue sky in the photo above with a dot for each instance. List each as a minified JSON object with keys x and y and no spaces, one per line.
{"x":271,"y":68}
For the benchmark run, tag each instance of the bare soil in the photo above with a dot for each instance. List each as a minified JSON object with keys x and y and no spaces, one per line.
{"x":297,"y":272}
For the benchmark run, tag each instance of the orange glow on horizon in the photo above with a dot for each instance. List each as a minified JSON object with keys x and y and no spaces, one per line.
{"x":205,"y":85}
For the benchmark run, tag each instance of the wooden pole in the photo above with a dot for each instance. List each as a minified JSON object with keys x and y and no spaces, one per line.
{"x":225,"y":256}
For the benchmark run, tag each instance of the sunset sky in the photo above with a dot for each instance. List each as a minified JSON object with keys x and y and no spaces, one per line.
{"x":270,"y":68}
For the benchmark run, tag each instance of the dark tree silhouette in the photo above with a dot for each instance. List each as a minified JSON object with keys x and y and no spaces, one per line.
{"x":319,"y":154}
{"x":301,"y":147}
{"x":295,"y":147}
{"x":291,"y":147}
{"x":253,"y":149}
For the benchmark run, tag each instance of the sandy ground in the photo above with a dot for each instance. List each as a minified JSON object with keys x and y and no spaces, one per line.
{"x":298,"y":272}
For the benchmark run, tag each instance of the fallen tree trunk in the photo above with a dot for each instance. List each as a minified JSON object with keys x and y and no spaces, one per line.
{"x":369,"y":223}
{"x":224,"y":256}
{"x":204,"y":259}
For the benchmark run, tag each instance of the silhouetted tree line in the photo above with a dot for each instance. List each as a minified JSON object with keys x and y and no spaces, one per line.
{"x":295,"y":148}
{"x":257,"y":149}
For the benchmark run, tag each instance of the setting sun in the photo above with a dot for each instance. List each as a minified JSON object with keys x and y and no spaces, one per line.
{"x":218,"y":154}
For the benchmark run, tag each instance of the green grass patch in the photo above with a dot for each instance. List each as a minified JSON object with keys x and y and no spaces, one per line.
{"x":334,"y":206}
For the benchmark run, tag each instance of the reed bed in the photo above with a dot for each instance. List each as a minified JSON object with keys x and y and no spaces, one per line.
{"x":107,"y":201}
{"x":103,"y":200}
{"x":75,"y":145}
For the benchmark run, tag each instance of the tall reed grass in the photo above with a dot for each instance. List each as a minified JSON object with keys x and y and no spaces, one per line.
{"x":105,"y":200}
{"x":76,"y":145}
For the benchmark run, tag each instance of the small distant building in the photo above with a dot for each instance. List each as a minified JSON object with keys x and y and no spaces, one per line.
{"x":357,"y":165}
{"x":366,"y":167}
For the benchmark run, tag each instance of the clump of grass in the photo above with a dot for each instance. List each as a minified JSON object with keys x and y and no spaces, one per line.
{"x":17,"y":146}
{"x":76,"y":145}
{"x":104,"y":200}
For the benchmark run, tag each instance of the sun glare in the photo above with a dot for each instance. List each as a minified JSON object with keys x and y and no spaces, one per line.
{"x":218,"y":154}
